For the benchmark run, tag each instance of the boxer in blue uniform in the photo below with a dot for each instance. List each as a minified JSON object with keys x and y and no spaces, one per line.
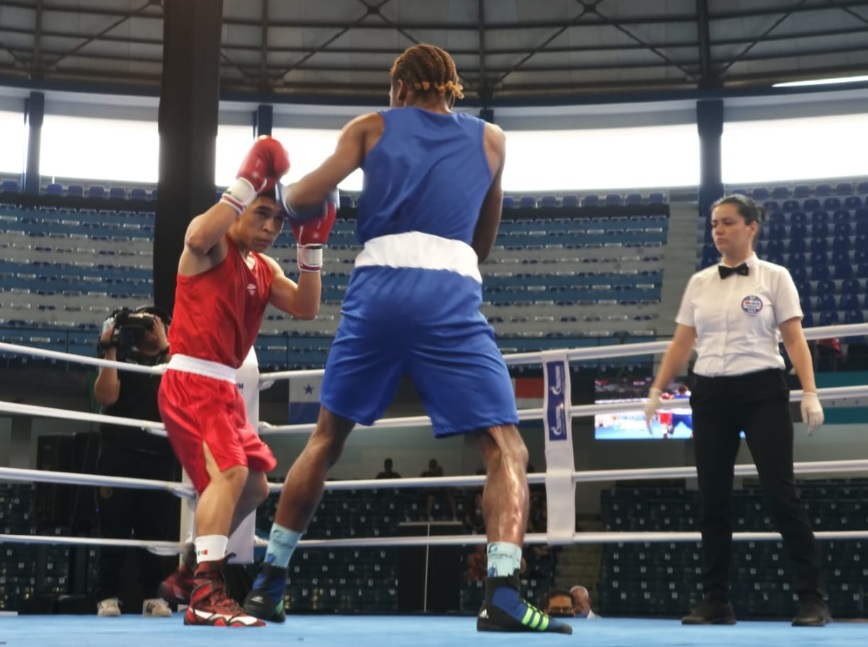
{"x":428,"y":215}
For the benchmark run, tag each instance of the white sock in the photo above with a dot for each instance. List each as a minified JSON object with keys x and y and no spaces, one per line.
{"x":211,"y":548}
{"x":504,"y":559}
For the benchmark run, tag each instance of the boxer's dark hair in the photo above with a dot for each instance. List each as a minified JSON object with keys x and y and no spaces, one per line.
{"x":427,"y":68}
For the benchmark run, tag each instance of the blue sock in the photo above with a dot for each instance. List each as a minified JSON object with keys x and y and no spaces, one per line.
{"x":281,"y":544}
{"x":504,"y":559}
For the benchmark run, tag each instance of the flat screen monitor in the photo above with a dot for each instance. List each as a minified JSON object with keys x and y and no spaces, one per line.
{"x":630,"y":424}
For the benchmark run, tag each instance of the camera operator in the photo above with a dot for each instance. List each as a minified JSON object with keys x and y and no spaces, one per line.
{"x":135,"y":337}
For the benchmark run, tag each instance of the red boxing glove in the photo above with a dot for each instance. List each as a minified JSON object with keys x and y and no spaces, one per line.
{"x":312,"y":230}
{"x":265,"y":163}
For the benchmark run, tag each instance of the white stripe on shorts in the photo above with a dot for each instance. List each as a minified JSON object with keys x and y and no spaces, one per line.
{"x":423,"y":251}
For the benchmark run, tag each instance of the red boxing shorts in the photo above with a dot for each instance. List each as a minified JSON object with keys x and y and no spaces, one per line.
{"x":199,"y":410}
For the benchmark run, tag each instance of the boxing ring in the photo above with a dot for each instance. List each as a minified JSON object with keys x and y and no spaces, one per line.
{"x":559,"y":479}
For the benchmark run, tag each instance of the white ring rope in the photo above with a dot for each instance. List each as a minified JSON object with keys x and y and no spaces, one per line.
{"x":600,"y":352}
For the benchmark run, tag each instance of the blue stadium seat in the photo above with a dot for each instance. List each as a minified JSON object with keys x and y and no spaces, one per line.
{"x":843,"y":271}
{"x":804,"y":288}
{"x":777,"y":231}
{"x":842,"y":229}
{"x":591,"y":200}
{"x":799,"y":273}
{"x":760,"y":193}
{"x":614,"y":199}
{"x":96,"y":191}
{"x":819,"y":245}
{"x":771,"y":205}
{"x":527,"y":202}
{"x":738,"y":191}
{"x":807,"y":319}
{"x":780,"y":192}
{"x":843,"y":188}
{"x":775,"y":257}
{"x":860,"y":255}
{"x":820,"y":271}
{"x":848,"y":302}
{"x":776,"y":216}
{"x":570,"y":201}
{"x":117,"y":192}
{"x":802,"y":191}
{"x":851,"y":286}
{"x":633,"y":198}
{"x":154,"y":193}
{"x":832,"y":203}
{"x":854,"y":316}
{"x":862,"y":188}
{"x":797,"y":245}
{"x":790,"y":205}
{"x":829,"y":318}
{"x":138,"y":193}
{"x":840,"y":256}
{"x":798,"y":218}
{"x":548,"y":201}
{"x":852,"y":202}
{"x":54,"y":189}
{"x":775,"y":247}
{"x":826,"y":286}
{"x":10,"y":186}
{"x":823,"y":190}
{"x":656,"y":197}
{"x":819,"y":229}
{"x":841,"y":243}
{"x":811,"y":204}
{"x":75,"y":190}
{"x":798,"y":230}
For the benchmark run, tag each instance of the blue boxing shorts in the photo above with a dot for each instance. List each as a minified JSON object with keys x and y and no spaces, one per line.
{"x":426,"y":324}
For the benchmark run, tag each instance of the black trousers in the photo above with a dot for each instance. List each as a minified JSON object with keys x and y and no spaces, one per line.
{"x":126,"y":513}
{"x":758,"y":404}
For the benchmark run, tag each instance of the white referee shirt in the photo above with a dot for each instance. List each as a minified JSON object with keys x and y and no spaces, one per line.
{"x":737,"y":318}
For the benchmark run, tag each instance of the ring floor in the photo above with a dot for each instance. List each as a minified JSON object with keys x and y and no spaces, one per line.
{"x":418,"y":631}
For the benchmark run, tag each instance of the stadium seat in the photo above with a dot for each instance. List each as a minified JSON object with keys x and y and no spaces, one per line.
{"x":75,"y":190}
{"x":842,"y":229}
{"x":798,"y":230}
{"x":811,"y":204}
{"x":138,"y":193}
{"x":826,"y":301}
{"x":832,"y":203}
{"x":819,"y":245}
{"x":591,"y":200}
{"x":10,"y":186}
{"x":797,"y":245}
{"x":820,"y":271}
{"x":614,"y":199}
{"x":829,"y":318}
{"x":798,"y":218}
{"x":656,"y":197}
{"x":790,"y":205}
{"x":570,"y":201}
{"x":633,"y":198}
{"x":760,"y":193}
{"x":862,"y":188}
{"x":117,"y":192}
{"x":819,"y":229}
{"x":848,"y":302}
{"x":802,"y":191}
{"x":527,"y":202}
{"x":54,"y":189}
{"x":548,"y":201}
{"x":852,"y":202}
{"x":807,"y":319}
{"x":843,"y":188}
{"x":96,"y":191}
{"x":823,"y":190}
{"x":780,"y":192}
{"x":843,"y":271}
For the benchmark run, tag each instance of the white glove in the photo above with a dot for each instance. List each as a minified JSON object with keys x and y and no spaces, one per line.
{"x":651,"y":406}
{"x":812,"y":412}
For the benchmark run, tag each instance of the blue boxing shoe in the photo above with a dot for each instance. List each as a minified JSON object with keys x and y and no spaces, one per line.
{"x":266,"y":598}
{"x":505,"y":610}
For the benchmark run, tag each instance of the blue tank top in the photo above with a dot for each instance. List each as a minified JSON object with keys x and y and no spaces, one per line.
{"x":427,"y":173}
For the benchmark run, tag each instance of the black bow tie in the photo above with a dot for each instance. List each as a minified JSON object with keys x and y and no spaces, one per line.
{"x":725,"y":271}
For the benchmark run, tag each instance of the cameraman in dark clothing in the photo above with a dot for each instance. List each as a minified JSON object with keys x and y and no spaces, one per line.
{"x":135,"y":337}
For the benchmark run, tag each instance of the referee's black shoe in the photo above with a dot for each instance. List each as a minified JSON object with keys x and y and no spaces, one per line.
{"x":713,"y":610}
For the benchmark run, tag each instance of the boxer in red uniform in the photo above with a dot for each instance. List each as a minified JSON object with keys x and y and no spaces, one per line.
{"x":224,"y":284}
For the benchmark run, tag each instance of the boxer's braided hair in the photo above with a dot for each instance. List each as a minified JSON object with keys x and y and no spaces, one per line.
{"x":427,"y":68}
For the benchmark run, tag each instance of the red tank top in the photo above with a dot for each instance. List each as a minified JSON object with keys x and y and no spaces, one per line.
{"x":218,"y":312}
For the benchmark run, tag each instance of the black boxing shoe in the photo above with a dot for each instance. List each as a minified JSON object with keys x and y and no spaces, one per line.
{"x":505,"y":610}
{"x":813,"y":611}
{"x":266,"y":598}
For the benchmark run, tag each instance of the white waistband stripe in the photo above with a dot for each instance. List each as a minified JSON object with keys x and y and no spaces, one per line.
{"x":422,"y":251}
{"x":188,"y":364}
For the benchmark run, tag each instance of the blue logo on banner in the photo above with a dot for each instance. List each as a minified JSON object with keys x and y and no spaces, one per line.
{"x":556,"y":408}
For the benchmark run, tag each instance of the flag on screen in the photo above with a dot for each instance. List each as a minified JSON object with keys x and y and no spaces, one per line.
{"x":529,"y":392}
{"x":304,"y":400}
